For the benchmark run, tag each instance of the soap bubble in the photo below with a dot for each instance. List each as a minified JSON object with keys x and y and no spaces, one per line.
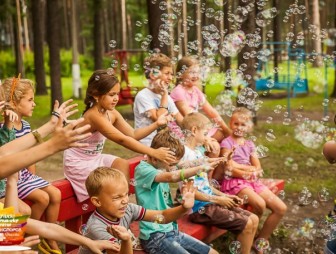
{"x":159,"y":219}
{"x":261,"y":244}
{"x":112,"y":43}
{"x":201,"y":210}
{"x":85,"y":207}
{"x":83,"y":229}
{"x":133,"y":182}
{"x":323,"y":195}
{"x":235,"y":247}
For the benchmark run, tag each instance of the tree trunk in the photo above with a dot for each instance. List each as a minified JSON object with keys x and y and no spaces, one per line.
{"x":199,"y":27}
{"x":123,"y":25}
{"x":184,"y":28}
{"x":38,"y":28}
{"x":276,"y":38}
{"x":18,"y":40}
{"x":154,"y":22}
{"x":98,"y":35}
{"x":317,"y":41}
{"x":227,"y":60}
{"x":333,"y":95}
{"x":76,"y":80}
{"x":25,"y":25}
{"x":53,"y":20}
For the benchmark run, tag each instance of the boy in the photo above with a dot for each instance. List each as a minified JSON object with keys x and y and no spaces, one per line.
{"x":108,"y":191}
{"x":154,"y":101}
{"x":213,"y":207}
{"x":153,"y":192}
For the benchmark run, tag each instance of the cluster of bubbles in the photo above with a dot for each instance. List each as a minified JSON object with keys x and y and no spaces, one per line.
{"x":233,"y":44}
{"x":311,"y":133}
{"x":223,"y":103}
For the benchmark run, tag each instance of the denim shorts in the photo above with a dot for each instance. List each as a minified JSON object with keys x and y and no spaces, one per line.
{"x":174,"y":242}
{"x":330,"y":247}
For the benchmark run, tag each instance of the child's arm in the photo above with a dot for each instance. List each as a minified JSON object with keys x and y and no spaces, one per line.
{"x":22,"y":143}
{"x":61,"y":234}
{"x":62,"y":139}
{"x":11,"y":198}
{"x":221,"y":200}
{"x":212,"y":113}
{"x":172,"y":214}
{"x":104,"y":126}
{"x":140,"y":133}
{"x":180,"y":175}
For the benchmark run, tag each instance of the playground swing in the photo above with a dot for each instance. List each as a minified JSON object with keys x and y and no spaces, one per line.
{"x":127,"y":91}
{"x":277,"y":80}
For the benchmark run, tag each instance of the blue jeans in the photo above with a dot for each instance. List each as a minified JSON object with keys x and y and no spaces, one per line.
{"x":174,"y":242}
{"x":330,"y":247}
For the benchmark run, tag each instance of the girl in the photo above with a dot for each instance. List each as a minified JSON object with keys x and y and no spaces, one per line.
{"x":102,"y":96}
{"x":243,"y":169}
{"x":188,"y":97}
{"x":46,"y":198}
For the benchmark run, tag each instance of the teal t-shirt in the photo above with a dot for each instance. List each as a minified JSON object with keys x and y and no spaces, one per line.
{"x":153,"y":196}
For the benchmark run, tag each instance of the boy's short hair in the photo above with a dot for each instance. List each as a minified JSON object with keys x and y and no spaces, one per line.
{"x":95,"y":180}
{"x":195,"y":119}
{"x":165,"y":138}
{"x":156,"y":61}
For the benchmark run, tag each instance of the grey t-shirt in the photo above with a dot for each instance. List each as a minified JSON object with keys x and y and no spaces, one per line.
{"x":95,"y":228}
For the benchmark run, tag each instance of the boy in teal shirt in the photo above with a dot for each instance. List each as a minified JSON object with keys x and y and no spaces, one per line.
{"x":153,"y":192}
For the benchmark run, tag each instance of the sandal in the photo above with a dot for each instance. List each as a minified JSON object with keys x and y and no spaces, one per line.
{"x":45,"y":248}
{"x":135,"y":241}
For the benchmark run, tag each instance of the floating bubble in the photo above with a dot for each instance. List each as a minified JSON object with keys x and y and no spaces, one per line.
{"x":270,"y":136}
{"x":85,"y":207}
{"x":159,"y":219}
{"x":232,"y":44}
{"x":83,"y":229}
{"x":323,"y":195}
{"x":282,"y":194}
{"x":262,"y":151}
{"x":315,"y":204}
{"x":235,"y":247}
{"x":123,"y":67}
{"x":306,"y":227}
{"x":310,"y":162}
{"x":310,"y":133}
{"x":136,"y":67}
{"x":269,"y":119}
{"x":114,"y":63}
{"x":214,"y":183}
{"x":110,"y":71}
{"x":133,"y":182}
{"x":289,"y":161}
{"x":305,"y":196}
{"x":201,"y":210}
{"x":138,"y":37}
{"x":112,"y":43}
{"x":295,"y":167}
{"x":261,"y":244}
{"x":97,"y":77}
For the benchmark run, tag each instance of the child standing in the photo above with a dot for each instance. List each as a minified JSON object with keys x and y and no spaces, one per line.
{"x":189,"y":98}
{"x":46,"y":198}
{"x":212,"y":206}
{"x":106,"y":122}
{"x":154,"y":100}
{"x":108,"y":190}
{"x":153,"y":192}
{"x":242,"y":171}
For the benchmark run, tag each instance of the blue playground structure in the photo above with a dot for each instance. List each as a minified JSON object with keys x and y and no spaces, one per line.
{"x":282,"y":79}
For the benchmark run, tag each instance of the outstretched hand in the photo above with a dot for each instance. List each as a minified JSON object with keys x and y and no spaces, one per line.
{"x":69,"y":136}
{"x":164,"y":119}
{"x":65,"y":110}
{"x":119,"y":232}
{"x":98,"y":246}
{"x":188,"y":194}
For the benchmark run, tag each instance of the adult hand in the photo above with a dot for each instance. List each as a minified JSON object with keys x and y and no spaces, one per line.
{"x":164,"y":119}
{"x":65,"y":110}
{"x":164,"y":154}
{"x":69,"y":136}
{"x":98,"y":246}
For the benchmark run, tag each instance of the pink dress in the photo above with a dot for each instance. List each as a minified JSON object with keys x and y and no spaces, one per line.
{"x":241,"y":155}
{"x":79,"y":162}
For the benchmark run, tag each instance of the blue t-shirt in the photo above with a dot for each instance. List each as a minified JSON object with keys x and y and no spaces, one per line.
{"x":152,"y":195}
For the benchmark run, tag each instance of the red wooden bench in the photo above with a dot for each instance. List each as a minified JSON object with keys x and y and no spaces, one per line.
{"x":76,"y":214}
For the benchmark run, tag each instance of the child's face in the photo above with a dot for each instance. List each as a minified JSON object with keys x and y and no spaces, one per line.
{"x":26,"y":105}
{"x":163,"y":165}
{"x":200,"y":134}
{"x":191,"y":76}
{"x":109,"y":101}
{"x":240,"y":125}
{"x":165,"y":76}
{"x":113,"y":198}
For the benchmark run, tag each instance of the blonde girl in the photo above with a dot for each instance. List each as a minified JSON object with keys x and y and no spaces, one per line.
{"x":45,"y":198}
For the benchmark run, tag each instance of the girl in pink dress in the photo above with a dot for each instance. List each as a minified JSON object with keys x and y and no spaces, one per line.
{"x":241,"y":173}
{"x":189,"y":98}
{"x":106,"y":122}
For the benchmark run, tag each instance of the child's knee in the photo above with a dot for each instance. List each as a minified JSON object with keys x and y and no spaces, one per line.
{"x":255,"y":219}
{"x":55,"y":195}
{"x":281,"y":209}
{"x":42,"y":199}
{"x":24,"y":208}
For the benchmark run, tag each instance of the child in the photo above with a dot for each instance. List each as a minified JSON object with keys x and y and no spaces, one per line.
{"x":189,"y":98}
{"x":153,"y":192}
{"x":101,"y":99}
{"x":108,"y":190}
{"x":50,"y":230}
{"x":46,"y":198}
{"x":212,"y":206}
{"x":154,"y":100}
{"x":241,"y":173}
